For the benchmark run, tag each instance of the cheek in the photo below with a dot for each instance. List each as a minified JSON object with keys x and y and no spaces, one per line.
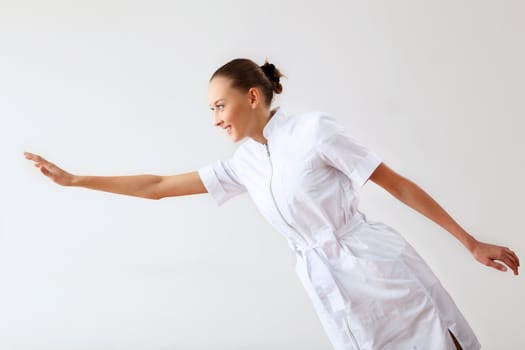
{"x":237,"y":121}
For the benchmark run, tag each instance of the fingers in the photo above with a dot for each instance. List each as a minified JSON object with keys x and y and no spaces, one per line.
{"x":496,"y":265}
{"x":509,"y":263}
{"x":513,"y":256}
{"x":513,"y":260}
{"x":39,"y":161}
{"x":45,"y":167}
{"x":31,"y":156}
{"x":507,"y":258}
{"x":35,"y":157}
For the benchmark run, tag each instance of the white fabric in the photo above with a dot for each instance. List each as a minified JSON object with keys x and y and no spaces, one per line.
{"x":369,"y":287}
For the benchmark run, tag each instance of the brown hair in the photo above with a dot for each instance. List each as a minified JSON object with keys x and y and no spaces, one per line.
{"x":245,"y":74}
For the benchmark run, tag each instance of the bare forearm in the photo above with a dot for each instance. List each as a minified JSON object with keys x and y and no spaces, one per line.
{"x":131,"y":185}
{"x":416,"y":198}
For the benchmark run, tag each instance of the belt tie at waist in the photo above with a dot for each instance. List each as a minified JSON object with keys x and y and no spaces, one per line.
{"x":315,"y":257}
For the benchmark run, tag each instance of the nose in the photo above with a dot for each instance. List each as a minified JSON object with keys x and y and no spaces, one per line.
{"x":216,"y":121}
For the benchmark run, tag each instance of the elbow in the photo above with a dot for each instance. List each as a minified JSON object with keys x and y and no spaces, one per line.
{"x":155,"y":192}
{"x":155,"y":195}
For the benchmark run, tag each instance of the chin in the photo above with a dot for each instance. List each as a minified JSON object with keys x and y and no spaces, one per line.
{"x":236,"y":138}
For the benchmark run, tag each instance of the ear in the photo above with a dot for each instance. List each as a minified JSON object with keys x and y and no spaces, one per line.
{"x":255,"y":97}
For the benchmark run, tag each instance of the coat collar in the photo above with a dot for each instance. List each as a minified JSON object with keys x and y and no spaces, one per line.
{"x":272,"y":125}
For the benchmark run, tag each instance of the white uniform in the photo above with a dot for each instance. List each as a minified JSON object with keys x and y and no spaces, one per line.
{"x":369,"y":287}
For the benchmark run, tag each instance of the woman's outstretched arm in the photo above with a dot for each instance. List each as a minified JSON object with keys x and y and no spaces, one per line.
{"x":412,"y":195}
{"x":145,"y":186}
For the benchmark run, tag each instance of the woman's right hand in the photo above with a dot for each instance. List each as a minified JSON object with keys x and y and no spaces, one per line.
{"x":52,"y":171}
{"x":487,"y":254}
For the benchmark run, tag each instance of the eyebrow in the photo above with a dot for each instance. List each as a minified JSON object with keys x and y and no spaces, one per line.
{"x":220,"y":99}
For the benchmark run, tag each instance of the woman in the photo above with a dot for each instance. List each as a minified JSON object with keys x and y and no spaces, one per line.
{"x":368,"y":285}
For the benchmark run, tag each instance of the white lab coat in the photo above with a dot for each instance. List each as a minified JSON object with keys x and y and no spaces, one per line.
{"x":369,"y":287}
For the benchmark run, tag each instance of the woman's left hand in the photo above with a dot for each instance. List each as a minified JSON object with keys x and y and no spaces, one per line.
{"x":487,"y":254}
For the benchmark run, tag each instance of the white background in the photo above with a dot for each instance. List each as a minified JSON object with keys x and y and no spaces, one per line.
{"x":436,"y":88}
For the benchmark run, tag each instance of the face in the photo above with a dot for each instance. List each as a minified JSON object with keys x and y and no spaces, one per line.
{"x":232,"y":109}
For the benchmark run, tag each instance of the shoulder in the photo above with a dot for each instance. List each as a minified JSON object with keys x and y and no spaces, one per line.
{"x":314,"y":124}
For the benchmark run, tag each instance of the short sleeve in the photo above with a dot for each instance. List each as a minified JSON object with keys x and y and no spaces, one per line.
{"x":221,"y":180}
{"x":345,"y":153}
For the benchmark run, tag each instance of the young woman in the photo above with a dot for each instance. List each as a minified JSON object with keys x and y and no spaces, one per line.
{"x":368,"y":285}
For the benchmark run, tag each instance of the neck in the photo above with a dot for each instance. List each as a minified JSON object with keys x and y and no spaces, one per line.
{"x":263,"y":120}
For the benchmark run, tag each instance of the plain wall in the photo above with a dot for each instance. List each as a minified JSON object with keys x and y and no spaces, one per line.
{"x":120,"y":88}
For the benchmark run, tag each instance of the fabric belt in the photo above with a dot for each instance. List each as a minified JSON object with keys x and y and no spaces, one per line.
{"x":315,"y":258}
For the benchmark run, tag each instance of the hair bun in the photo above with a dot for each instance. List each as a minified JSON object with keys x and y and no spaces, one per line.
{"x":273,"y":75}
{"x":269,"y":71}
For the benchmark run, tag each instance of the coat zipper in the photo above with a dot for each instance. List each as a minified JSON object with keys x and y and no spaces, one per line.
{"x":271,"y":191}
{"x":282,"y":217}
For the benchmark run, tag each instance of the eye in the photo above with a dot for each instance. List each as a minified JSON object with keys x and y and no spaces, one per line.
{"x":221,"y":107}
